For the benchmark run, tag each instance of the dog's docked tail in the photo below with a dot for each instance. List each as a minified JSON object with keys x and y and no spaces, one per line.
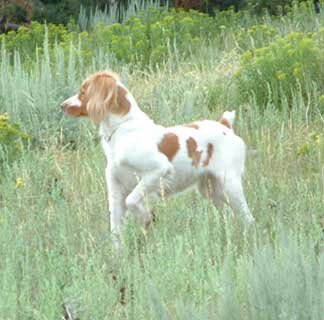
{"x":227,"y":119}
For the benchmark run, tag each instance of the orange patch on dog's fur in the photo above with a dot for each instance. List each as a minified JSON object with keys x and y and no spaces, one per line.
{"x":83,"y":99}
{"x":210,"y":150}
{"x":100,"y":94}
{"x":122,"y":102}
{"x":225,"y":122}
{"x":169,"y":145}
{"x":193,"y":152}
{"x":76,"y":111}
{"x":191,"y":125}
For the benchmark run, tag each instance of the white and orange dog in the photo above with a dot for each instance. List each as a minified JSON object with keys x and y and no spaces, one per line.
{"x":146,"y":160}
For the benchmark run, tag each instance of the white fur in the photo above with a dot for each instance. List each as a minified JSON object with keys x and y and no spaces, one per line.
{"x":73,"y":101}
{"x":230,"y":116}
{"x":137,"y":172}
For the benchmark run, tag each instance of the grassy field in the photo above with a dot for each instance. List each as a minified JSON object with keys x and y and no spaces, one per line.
{"x":195,"y":262}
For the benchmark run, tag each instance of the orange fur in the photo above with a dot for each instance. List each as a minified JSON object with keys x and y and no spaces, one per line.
{"x":210,"y":150}
{"x":123,"y":103}
{"x":169,"y":145}
{"x":225,"y":122}
{"x":193,"y":153}
{"x":191,"y":125}
{"x":101,"y":95}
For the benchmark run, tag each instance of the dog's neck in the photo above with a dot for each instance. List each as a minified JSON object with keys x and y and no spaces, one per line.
{"x":114,"y":121}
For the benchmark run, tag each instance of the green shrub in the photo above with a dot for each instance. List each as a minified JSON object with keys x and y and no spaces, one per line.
{"x":310,"y":151}
{"x":275,"y":7}
{"x":13,"y":12}
{"x":57,"y":11}
{"x":274,"y":283}
{"x":255,"y":37}
{"x":146,"y":38}
{"x":275,"y":73}
{"x":11,"y":138}
{"x":30,"y":41}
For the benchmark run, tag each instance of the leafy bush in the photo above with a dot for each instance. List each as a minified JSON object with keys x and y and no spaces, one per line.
{"x":276,"y":72}
{"x":255,"y":37}
{"x":277,"y":7}
{"x":146,"y":38}
{"x":30,"y":41}
{"x":274,"y":283}
{"x":11,"y":138}
{"x":15,"y":12}
{"x":310,"y":151}
{"x":57,"y":11}
{"x":225,"y":4}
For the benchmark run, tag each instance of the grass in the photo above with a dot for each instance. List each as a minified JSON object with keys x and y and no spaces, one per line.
{"x":196,"y":262}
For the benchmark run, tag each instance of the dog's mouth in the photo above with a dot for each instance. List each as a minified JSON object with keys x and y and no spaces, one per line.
{"x":74,"y":111}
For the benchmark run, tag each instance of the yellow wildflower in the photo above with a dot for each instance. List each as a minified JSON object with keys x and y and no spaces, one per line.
{"x":318,"y":138}
{"x":20,"y":183}
{"x":281,"y":76}
{"x":321,"y":99}
{"x":4,"y":117}
{"x":297,"y":71}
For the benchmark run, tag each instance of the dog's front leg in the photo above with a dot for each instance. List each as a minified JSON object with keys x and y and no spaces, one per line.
{"x":117,"y":206}
{"x":147,"y":188}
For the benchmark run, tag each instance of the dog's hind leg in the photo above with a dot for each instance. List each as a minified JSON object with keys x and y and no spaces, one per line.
{"x":227,"y":189}
{"x":212,"y":189}
{"x":233,"y":190}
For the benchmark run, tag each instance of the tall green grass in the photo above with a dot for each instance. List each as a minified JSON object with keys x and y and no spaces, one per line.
{"x":88,"y":19}
{"x":195,"y":262}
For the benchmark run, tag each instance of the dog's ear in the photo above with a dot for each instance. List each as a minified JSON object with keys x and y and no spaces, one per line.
{"x":101,"y":94}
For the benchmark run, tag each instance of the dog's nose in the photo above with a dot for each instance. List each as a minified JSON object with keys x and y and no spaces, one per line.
{"x":63,"y":105}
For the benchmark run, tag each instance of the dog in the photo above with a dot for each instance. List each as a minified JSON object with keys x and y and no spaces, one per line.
{"x":146,"y":161}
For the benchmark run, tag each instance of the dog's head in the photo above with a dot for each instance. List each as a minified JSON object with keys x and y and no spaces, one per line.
{"x":99,"y":95}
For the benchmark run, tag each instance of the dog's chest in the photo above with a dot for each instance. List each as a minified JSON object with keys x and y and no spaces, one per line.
{"x":126,"y":176}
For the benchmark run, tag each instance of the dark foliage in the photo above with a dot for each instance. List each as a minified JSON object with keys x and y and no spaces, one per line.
{"x":15,"y":12}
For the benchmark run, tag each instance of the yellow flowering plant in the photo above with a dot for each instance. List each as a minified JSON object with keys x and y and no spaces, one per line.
{"x":20,"y":183}
{"x":11,"y":139}
{"x":310,"y":151}
{"x":275,"y":72}
{"x":142,"y":39}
